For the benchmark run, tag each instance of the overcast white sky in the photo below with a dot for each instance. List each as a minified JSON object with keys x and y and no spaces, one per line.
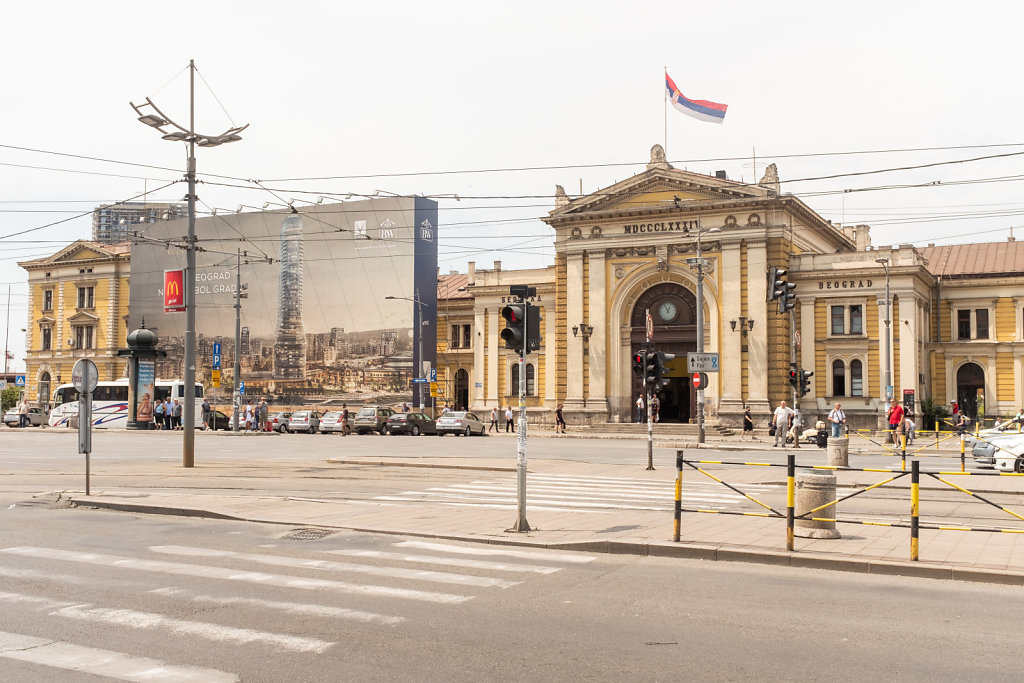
{"x":358,"y":89}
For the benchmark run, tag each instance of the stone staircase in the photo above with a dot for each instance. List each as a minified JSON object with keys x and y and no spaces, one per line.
{"x":675,"y":429}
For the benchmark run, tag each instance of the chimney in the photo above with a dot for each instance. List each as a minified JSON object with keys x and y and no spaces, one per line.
{"x":862,"y":237}
{"x":471,"y":272}
{"x":497,"y":265}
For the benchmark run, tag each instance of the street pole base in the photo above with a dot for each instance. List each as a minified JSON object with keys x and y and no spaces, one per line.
{"x":521,"y":526}
{"x":649,"y":467}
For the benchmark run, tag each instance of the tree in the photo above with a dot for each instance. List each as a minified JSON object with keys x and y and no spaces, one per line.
{"x":9,"y":397}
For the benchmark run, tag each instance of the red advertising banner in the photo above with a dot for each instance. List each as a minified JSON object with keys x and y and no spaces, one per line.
{"x":174,"y":291}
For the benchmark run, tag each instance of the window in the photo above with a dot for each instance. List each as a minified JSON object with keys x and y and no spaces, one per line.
{"x":83,"y":336}
{"x":972,"y":323}
{"x":48,"y":300}
{"x":856,"y":319}
{"x":85,"y":297}
{"x":514,"y":382}
{"x":455,"y":336}
{"x":466,"y":339}
{"x":838,"y":378}
{"x":44,"y":387}
{"x":838,"y":320}
{"x":856,"y":378}
{"x":846,"y":319}
{"x":981,"y":323}
{"x":963,"y":324}
{"x":46,"y":335}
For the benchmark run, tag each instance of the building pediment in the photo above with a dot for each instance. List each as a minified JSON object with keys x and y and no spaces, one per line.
{"x":83,"y":318}
{"x":46,"y":321}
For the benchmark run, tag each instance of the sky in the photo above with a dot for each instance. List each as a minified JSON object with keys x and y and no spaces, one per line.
{"x":498,"y":104}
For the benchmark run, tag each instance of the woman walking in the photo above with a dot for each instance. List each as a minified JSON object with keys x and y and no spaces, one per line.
{"x":748,"y":423}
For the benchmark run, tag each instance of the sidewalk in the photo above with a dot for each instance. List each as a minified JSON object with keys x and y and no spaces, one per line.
{"x":948,"y":554}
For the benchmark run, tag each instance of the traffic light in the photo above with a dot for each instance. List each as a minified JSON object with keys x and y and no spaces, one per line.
{"x":805,"y":382}
{"x":776,"y":282}
{"x":660,"y":380}
{"x":794,"y":376}
{"x":652,"y":371}
{"x":787,"y":301}
{"x":515,"y":326}
{"x":638,"y":363}
{"x":533,"y":336}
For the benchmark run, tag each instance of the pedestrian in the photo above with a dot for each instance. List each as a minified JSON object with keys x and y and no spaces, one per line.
{"x":837,"y":418}
{"x":559,"y":421}
{"x":206,"y":413}
{"x":640,"y":408}
{"x":748,"y":423}
{"x":178,"y":409}
{"x":248,"y":416}
{"x":23,"y":414}
{"x":797,"y":422}
{"x":508,"y":420}
{"x":895,"y":417}
{"x":264,"y":416}
{"x":656,"y":407}
{"x":405,"y":407}
{"x":159,"y":410}
{"x":494,"y":420}
{"x":911,"y":428}
{"x":780,"y":420}
{"x":168,"y":413}
{"x":345,"y":429}
{"x":445,"y":410}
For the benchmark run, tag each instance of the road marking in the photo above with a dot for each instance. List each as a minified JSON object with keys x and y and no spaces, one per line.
{"x":581,"y":494}
{"x":507,"y":506}
{"x":227,"y":634}
{"x":290,"y":607}
{"x":208,"y":572}
{"x":508,"y":552}
{"x":451,"y":561}
{"x":71,"y":657}
{"x":327,"y":565}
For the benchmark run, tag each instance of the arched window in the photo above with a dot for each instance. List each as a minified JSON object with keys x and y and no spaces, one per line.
{"x":838,"y":378}
{"x":513,"y":389}
{"x":856,"y":378}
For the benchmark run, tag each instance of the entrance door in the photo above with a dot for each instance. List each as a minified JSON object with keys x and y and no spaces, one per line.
{"x":970,"y":384}
{"x":461,"y":390}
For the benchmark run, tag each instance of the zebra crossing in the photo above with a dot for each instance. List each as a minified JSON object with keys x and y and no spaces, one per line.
{"x":580,"y":493}
{"x":323,"y":589}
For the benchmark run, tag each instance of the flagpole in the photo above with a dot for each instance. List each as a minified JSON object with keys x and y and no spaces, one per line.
{"x":664,"y":102}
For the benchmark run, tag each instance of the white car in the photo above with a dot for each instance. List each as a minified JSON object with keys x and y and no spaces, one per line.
{"x":460,"y":422}
{"x":1005,"y":452}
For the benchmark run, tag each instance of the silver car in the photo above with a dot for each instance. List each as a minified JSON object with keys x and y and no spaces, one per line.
{"x":304,"y":421}
{"x":331,"y":422}
{"x":460,"y":422}
{"x":36,"y":417}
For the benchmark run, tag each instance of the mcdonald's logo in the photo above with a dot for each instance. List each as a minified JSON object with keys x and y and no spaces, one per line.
{"x":174,"y":291}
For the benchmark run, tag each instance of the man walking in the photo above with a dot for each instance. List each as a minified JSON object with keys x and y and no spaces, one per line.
{"x":494,"y":421}
{"x":895,"y":416}
{"x":780,"y":420}
{"x":206,"y":413}
{"x":509,"y":427}
{"x":837,"y":418}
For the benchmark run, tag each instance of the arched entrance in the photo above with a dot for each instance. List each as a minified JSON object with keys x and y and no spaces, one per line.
{"x":674,"y":310}
{"x":461,"y":390}
{"x":970,"y":389}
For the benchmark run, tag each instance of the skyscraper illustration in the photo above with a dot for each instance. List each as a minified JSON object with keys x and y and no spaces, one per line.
{"x":290,"y":346}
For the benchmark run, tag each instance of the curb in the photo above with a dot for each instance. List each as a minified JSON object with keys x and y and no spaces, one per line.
{"x":694,"y":551}
{"x":429,"y":465}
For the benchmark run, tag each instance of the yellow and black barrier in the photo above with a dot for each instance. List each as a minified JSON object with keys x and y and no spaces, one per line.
{"x":790,"y":516}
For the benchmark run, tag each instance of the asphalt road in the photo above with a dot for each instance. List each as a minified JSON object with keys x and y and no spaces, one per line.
{"x":221,"y":600}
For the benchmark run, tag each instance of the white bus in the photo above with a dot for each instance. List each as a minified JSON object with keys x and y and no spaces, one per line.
{"x":110,"y":402}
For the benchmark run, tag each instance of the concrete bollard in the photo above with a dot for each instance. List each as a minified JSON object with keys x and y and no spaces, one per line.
{"x":813,"y":490}
{"x":839,"y":452}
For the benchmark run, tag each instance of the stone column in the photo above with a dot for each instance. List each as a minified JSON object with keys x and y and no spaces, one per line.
{"x":479,"y":342}
{"x":574,"y":344}
{"x":597,"y":401}
{"x":905,"y":376}
{"x":493,"y":315}
{"x":731,"y":363}
{"x":757,"y":340}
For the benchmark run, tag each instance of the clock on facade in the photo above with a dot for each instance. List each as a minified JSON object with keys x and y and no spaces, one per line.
{"x":667,"y":311}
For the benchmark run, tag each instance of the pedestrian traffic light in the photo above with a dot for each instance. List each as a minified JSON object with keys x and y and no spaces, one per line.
{"x":638,"y":363}
{"x":652,"y":371}
{"x":787,"y":300}
{"x":660,"y":380}
{"x":515,"y":326}
{"x":805,"y":382}
{"x":794,"y":376}
{"x":533,"y":336}
{"x":776,"y":282}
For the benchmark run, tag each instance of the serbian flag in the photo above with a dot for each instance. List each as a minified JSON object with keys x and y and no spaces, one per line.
{"x":698,"y":109}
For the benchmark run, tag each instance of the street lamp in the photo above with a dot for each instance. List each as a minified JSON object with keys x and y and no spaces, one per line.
{"x":151,"y":115}
{"x":699,"y":265}
{"x":888,"y":354}
{"x":419,"y":330}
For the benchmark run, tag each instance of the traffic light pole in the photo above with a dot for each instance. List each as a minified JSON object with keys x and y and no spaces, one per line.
{"x":521,"y":523}
{"x":647,"y":392}
{"x":792,"y":357}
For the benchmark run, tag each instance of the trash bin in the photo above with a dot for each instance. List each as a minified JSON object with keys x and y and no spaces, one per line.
{"x":822,"y":438}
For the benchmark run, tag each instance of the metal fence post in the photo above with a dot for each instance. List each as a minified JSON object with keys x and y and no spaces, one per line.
{"x":679,"y":496}
{"x":903,"y":446}
{"x":963,"y":463}
{"x":790,"y":501}
{"x":915,"y":507}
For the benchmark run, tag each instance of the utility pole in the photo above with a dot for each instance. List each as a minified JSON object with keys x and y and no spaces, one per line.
{"x":236,"y":398}
{"x":7,"y":336}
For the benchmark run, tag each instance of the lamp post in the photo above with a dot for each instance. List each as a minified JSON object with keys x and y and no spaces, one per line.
{"x":586,"y":330}
{"x":700,"y":324}
{"x":151,"y":115}
{"x":888,"y":353}
{"x":419,"y":330}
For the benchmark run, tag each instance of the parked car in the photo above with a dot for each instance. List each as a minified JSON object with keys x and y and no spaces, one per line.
{"x":460,"y":422}
{"x":304,"y":421}
{"x":371,"y":419}
{"x":410,"y":423}
{"x":1001,"y":451}
{"x":1007,"y":427}
{"x":279,"y":421}
{"x":219,"y":420}
{"x":331,"y":422}
{"x":36,"y":417}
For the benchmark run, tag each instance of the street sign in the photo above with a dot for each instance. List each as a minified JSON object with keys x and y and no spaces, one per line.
{"x":700,"y":380}
{"x":19,"y":380}
{"x":433,"y":389}
{"x":216,"y":376}
{"x":216,"y":349}
{"x":433,"y":374}
{"x":420,"y":380}
{"x":216,"y":361}
{"x":702,"y":362}
{"x":84,"y":376}
{"x":241,"y":387}
{"x":3,"y":384}
{"x":650,"y":327}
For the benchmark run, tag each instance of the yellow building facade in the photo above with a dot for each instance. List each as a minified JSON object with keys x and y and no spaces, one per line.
{"x":78,"y":308}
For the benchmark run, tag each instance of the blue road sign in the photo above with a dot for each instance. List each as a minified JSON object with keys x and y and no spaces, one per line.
{"x":420,"y":380}
{"x":19,"y":380}
{"x":216,"y":361}
{"x":433,"y":374}
{"x":241,"y":387}
{"x":216,"y":348}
